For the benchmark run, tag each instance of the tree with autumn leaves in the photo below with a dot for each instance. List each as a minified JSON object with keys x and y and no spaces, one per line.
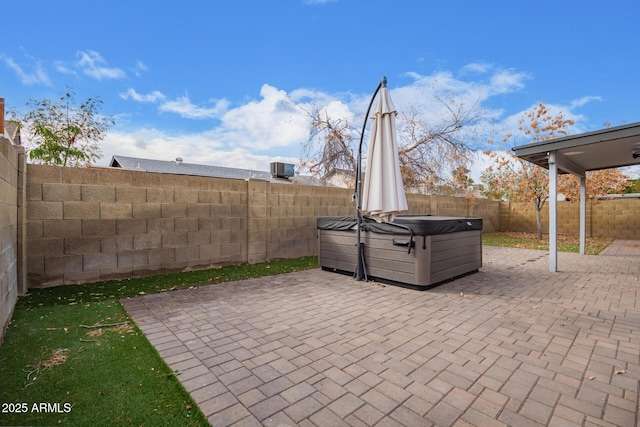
{"x":518,"y":180}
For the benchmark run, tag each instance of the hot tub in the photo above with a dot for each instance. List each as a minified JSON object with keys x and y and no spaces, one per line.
{"x":415,"y":251}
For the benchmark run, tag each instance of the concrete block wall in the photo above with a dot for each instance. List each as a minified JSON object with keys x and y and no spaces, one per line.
{"x":12,"y":249}
{"x":449,"y":206}
{"x":522,"y":218}
{"x":504,"y":216}
{"x":292,"y":215}
{"x":489,"y":211}
{"x":87,"y":225}
{"x":95,"y":224}
{"x":613,"y":218}
{"x":619,"y":218}
{"x":419,"y":204}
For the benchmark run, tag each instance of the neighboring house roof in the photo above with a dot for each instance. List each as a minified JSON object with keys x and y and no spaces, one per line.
{"x":178,"y":167}
{"x":339,"y":172}
{"x":339,"y":178}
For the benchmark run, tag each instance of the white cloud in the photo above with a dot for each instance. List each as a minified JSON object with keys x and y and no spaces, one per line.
{"x":339,"y":110}
{"x":91,"y":64}
{"x":199,"y":148}
{"x":61,"y":67}
{"x":278,"y":121}
{"x":305,"y":96}
{"x":421,"y":94}
{"x":181,"y":105}
{"x":140,"y":68}
{"x":244,"y":138}
{"x":506,"y":81}
{"x":185,"y":108}
{"x":584,"y":100}
{"x":274,"y":125}
{"x":131,"y":93}
{"x":498,"y":81}
{"x":156,"y":144}
{"x":272,"y":121}
{"x":476,"y":68}
{"x":39,"y":75}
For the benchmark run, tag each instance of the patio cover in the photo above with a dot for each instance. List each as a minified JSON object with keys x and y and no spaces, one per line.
{"x":576,"y":154}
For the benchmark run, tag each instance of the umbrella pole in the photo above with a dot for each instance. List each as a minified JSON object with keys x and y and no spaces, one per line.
{"x":360,"y":273}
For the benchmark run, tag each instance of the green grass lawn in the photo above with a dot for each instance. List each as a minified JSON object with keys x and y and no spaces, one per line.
{"x":56,"y":371}
{"x":594,"y":245}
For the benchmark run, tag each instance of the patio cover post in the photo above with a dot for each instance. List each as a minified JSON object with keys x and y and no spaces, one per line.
{"x":583,"y":214}
{"x":576,"y":154}
{"x":553,"y":212}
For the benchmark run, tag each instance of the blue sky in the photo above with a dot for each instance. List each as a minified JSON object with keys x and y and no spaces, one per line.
{"x":227,"y":82}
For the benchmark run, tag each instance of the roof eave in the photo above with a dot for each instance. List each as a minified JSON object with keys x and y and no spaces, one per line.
{"x":571,"y":141}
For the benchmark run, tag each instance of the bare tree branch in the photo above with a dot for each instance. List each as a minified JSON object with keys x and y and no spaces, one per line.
{"x":433,"y":156}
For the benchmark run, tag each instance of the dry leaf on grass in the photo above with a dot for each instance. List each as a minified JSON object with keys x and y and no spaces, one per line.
{"x":57,"y":357}
{"x":94,"y":333}
{"x":127,"y":327}
{"x":120,"y":328}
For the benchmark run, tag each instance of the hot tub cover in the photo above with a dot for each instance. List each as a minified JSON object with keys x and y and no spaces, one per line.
{"x":427,"y":225}
{"x":416,"y":225}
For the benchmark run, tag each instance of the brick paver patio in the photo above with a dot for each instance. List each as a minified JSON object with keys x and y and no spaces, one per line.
{"x":512,"y":345}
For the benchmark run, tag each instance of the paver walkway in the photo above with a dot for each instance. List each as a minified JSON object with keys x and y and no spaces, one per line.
{"x":511,"y":345}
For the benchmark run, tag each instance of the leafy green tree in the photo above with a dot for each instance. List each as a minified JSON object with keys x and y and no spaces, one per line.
{"x":633,"y":187}
{"x":61,"y":132}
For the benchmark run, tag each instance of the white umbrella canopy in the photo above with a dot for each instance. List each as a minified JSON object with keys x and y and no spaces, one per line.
{"x":383,"y":194}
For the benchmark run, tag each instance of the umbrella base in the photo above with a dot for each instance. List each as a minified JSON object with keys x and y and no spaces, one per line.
{"x":361,"y":267}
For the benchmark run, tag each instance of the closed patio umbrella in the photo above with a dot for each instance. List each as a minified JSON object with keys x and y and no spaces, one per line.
{"x":383,"y":196}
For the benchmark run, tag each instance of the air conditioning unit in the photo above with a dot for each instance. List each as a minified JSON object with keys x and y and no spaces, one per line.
{"x":282,"y":170}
